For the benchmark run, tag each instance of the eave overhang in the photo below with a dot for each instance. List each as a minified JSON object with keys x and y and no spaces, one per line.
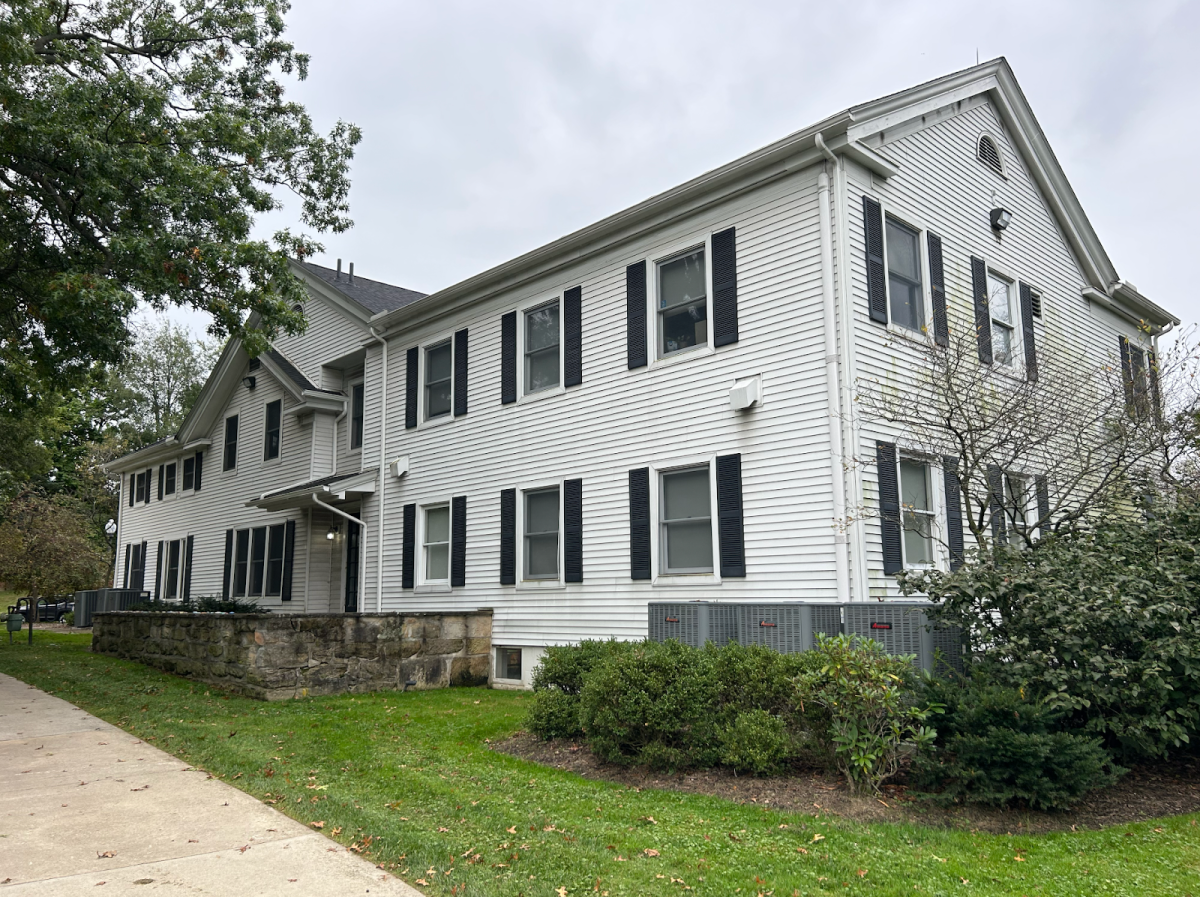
{"x":304,"y":495}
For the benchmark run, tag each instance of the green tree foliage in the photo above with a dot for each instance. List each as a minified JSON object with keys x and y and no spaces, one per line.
{"x":138,"y":141}
{"x":1102,"y":624}
{"x":45,"y":547}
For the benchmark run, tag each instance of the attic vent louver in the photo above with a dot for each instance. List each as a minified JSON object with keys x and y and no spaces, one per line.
{"x":989,"y":155}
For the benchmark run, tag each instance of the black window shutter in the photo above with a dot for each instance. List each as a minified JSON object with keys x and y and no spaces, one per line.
{"x":158,"y":562}
{"x":408,"y":548}
{"x":508,"y":358}
{"x":458,"y":540}
{"x":573,"y":530}
{"x":1042,"y":487}
{"x":937,"y":290}
{"x":160,"y":481}
{"x":729,"y":516}
{"x":128,"y":549}
{"x":410,"y":388}
{"x":289,"y":553}
{"x":889,"y":506}
{"x":228,"y":563}
{"x":460,"y":373}
{"x":1152,"y":369}
{"x":132,"y":486}
{"x":149,"y":477}
{"x":187,"y":568}
{"x":639,"y":523}
{"x":573,"y":336}
{"x":876,"y":267}
{"x":635,"y":315}
{"x":508,"y":537}
{"x":996,"y":502}
{"x":199,"y":471}
{"x":983,"y":315}
{"x":725,"y":298}
{"x":1126,"y":371}
{"x":1031,"y":368}
{"x":141,"y":579}
{"x":954,"y":522}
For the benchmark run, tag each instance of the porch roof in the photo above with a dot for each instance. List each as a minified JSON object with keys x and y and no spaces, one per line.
{"x":330,"y":488}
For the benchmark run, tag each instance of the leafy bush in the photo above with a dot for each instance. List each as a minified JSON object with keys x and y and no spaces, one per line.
{"x":557,"y":682}
{"x":755,"y":677}
{"x":756,"y":742}
{"x":206,"y":605}
{"x":995,"y":746}
{"x":873,"y":715}
{"x":654,"y":704}
{"x":1102,"y":624}
{"x":69,"y":618}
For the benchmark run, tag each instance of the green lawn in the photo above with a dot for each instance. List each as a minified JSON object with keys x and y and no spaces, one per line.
{"x":408,"y":780}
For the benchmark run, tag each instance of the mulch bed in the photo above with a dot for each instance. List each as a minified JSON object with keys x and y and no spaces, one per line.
{"x":1148,"y":792}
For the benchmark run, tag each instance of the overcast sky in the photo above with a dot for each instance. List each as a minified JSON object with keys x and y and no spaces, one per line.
{"x":492,"y":128}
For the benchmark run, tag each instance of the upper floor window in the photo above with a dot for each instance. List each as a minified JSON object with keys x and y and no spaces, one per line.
{"x":169,"y":479}
{"x":143,"y":486}
{"x":541,"y":534}
{"x":542,"y":362}
{"x":271,"y":437}
{"x":917,"y":514}
{"x":1003,"y":317}
{"x":356,"y":416}
{"x":686,"y":521}
{"x":906,"y":296}
{"x":438,"y":380}
{"x":682,"y":302}
{"x":189,"y":473}
{"x":231,"y":437}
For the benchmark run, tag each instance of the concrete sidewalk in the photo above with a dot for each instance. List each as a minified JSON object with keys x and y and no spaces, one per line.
{"x":83,"y":804}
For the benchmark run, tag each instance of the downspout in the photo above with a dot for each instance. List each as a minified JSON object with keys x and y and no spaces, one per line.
{"x":836,"y":458}
{"x":340,"y":513}
{"x":382,"y":472}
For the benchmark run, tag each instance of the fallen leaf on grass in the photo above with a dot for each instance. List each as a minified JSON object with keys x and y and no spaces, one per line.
{"x":422,"y":881}
{"x":443,"y":829}
{"x":512,"y":830}
{"x":1018,"y":859}
{"x":320,"y":824}
{"x":337,"y":831}
{"x":561,"y":892}
{"x":862,"y":872}
{"x":802,"y":850}
{"x":650,"y":852}
{"x":817,"y":837}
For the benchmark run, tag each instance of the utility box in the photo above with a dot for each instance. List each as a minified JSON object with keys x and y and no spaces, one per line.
{"x":905,"y":628}
{"x":694,"y":623}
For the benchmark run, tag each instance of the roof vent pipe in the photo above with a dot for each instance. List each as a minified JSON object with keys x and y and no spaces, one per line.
{"x":352,"y":272}
{"x":339,"y":271}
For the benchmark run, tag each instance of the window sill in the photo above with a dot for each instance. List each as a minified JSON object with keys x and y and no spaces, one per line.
{"x":438,"y":421}
{"x":541,"y":394}
{"x":683,"y":355}
{"x":540,"y":585}
{"x":682,"y":580}
{"x":922,"y":339}
{"x":433,"y":588}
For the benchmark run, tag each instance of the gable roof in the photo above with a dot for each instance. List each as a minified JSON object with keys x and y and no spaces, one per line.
{"x":373,"y":295}
{"x":846,"y":134}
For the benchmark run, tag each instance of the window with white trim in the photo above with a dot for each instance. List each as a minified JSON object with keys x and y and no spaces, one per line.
{"x":169,"y":478}
{"x":439,"y":380}
{"x":171,"y":587}
{"x":357,"y":414}
{"x":1004,"y":317}
{"x":189,"y":473}
{"x":541,"y":529}
{"x":685,"y":521}
{"x":1018,"y":503}
{"x":917,"y":513}
{"x":258,"y":562}
{"x":435,"y":547}
{"x":682,"y":306}
{"x":906,"y":293}
{"x":231,"y":439}
{"x":274,"y":426}
{"x":543,"y":347}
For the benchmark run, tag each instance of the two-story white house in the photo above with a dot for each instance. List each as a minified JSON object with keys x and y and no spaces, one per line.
{"x":655,"y":407}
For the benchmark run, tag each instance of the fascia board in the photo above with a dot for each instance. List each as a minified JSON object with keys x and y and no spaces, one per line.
{"x":302,"y":498}
{"x":323,"y":402}
{"x":322,"y":290}
{"x":215,"y":392}
{"x":786,"y":156}
{"x":289,"y":385}
{"x":143,"y":456}
{"x":892,"y":111}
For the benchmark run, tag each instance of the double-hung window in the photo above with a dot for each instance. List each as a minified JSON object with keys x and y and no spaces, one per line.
{"x":542,"y":357}
{"x":274,"y":584}
{"x":356,"y":416}
{"x":189,"y":473}
{"x":169,"y":479}
{"x":682,"y":314}
{"x":916,"y":512}
{"x":436,"y":544}
{"x":258,"y":562}
{"x":1003,"y":317}
{"x":241,"y":564}
{"x":231,"y":438}
{"x":438,"y":380}
{"x":171,"y":584}
{"x":541,"y":533}
{"x":1017,"y":498}
{"x":274,"y":415}
{"x":686,"y":521}
{"x":906,"y":296}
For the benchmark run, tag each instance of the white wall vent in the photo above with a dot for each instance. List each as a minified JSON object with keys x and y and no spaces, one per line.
{"x":989,"y":154}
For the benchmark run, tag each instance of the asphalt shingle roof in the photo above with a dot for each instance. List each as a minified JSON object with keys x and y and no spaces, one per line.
{"x":314,"y":484}
{"x":372,"y":295}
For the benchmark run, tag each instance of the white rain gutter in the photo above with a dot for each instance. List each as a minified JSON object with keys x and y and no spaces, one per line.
{"x":383,"y":406}
{"x":317,"y":501}
{"x":836,"y":458}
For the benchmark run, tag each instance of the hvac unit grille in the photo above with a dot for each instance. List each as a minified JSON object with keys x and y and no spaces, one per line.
{"x":676,"y":621}
{"x":826,"y":620}
{"x":989,"y":155}
{"x":787,"y":628}
{"x":897,"y":627}
{"x":723,"y":622}
{"x":949,"y":641}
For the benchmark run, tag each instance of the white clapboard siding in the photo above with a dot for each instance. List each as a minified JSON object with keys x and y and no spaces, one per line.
{"x":941,"y":186}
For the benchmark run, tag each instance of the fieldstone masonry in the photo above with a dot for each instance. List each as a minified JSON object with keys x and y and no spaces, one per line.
{"x":276,"y":656}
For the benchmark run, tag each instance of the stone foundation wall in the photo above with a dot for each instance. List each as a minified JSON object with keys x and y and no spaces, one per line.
{"x":274,"y":656}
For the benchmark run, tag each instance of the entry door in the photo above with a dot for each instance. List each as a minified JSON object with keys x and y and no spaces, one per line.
{"x":352,"y":540}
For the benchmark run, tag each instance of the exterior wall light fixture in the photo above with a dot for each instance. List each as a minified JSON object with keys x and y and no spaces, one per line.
{"x":332,"y":534}
{"x":1000,"y":218}
{"x":248,"y":382}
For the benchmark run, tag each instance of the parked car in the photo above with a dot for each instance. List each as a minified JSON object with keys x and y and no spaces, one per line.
{"x":52,"y":610}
